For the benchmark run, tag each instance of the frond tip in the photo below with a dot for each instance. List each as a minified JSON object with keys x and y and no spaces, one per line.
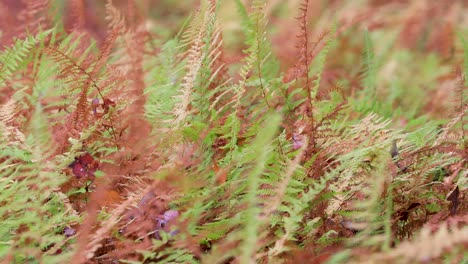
{"x":429,"y":244}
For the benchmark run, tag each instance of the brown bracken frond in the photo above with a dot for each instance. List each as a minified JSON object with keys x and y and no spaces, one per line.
{"x":442,"y":41}
{"x":34,"y":15}
{"x":23,"y":17}
{"x":114,"y":17}
{"x":83,"y":80}
{"x":303,"y":61}
{"x":105,"y":51}
{"x":77,"y":13}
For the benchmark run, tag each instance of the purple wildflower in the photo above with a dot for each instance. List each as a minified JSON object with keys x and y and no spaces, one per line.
{"x":297,"y":141}
{"x":68,"y":231}
{"x":95,"y":104}
{"x":170,"y":214}
{"x":164,"y":223}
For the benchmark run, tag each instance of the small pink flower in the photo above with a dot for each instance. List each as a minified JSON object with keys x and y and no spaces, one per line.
{"x":170,"y":214}
{"x":297,"y":142}
{"x":95,"y":105}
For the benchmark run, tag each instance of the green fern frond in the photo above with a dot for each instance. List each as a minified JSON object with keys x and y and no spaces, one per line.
{"x":370,"y":71}
{"x":35,"y":220}
{"x":163,"y":84}
{"x":371,"y":137}
{"x":16,"y":57}
{"x":261,"y":148}
{"x":195,"y":57}
{"x":368,"y":101}
{"x":257,"y":48}
{"x":465,"y":58}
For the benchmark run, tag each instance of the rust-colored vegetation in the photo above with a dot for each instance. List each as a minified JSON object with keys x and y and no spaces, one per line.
{"x":298,"y":131}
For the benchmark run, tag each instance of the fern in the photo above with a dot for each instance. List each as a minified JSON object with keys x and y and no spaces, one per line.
{"x":369,"y":80}
{"x":162,"y":84}
{"x":257,"y":51}
{"x":123,"y":140}
{"x":194,"y":63}
{"x":250,"y":223}
{"x":15,"y":58}
{"x":321,"y":59}
{"x":427,"y":245}
{"x":34,"y":221}
{"x":369,"y":77}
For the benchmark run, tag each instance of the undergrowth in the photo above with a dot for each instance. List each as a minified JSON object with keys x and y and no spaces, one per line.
{"x":289,"y":132}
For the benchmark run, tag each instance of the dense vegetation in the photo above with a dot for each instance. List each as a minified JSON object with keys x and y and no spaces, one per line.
{"x":234,"y":132}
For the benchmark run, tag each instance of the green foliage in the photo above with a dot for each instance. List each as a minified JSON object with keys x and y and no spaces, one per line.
{"x":368,"y":101}
{"x":260,"y":148}
{"x":34,"y":221}
{"x":370,"y":71}
{"x":254,"y":176}
{"x":465,"y":59}
{"x":14,"y":58}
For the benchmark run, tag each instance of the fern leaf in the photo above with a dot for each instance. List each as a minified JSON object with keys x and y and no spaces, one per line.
{"x":194,"y":63}
{"x":370,"y":71}
{"x":13,"y":58}
{"x":321,"y":59}
{"x":427,"y":245}
{"x":261,"y":148}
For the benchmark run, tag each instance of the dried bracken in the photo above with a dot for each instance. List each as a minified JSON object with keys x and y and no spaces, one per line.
{"x":129,"y":133}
